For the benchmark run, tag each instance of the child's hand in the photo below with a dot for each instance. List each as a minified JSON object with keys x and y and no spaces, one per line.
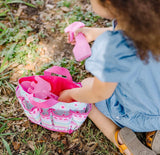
{"x":88,"y":33}
{"x":65,"y":97}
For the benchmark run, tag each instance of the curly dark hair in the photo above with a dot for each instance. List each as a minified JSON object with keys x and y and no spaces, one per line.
{"x":140,"y":20}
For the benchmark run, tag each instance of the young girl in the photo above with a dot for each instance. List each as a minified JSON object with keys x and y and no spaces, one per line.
{"x":126,"y":83}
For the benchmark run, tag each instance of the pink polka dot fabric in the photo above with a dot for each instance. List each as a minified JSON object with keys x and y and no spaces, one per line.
{"x":48,"y":112}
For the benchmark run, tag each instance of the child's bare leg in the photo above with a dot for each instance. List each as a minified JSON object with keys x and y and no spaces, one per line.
{"x":105,"y":125}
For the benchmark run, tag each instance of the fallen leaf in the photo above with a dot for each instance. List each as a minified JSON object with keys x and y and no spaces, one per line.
{"x":59,"y":151}
{"x":68,"y":152}
{"x":26,"y":124}
{"x":71,"y":146}
{"x":42,"y":140}
{"x":55,"y":136}
{"x":20,"y":10}
{"x":81,"y":145}
{"x":65,"y":9}
{"x":30,"y":39}
{"x":49,"y":6}
{"x":76,"y":140}
{"x":35,"y":126}
{"x":62,"y":134}
{"x":64,"y":141}
{"x":92,"y":148}
{"x":31,"y":145}
{"x":16,"y":145}
{"x":3,"y":99}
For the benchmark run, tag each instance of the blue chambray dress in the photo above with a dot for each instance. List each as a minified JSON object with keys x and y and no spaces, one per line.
{"x":135,"y":102}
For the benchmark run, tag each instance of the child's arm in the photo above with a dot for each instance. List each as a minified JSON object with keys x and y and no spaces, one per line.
{"x":90,"y":33}
{"x":92,"y":91}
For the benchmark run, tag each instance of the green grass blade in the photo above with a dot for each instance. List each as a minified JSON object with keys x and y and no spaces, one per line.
{"x":6,"y":134}
{"x":20,"y":1}
{"x":4,"y":78}
{"x":4,"y":13}
{"x":3,"y":26}
{"x":3,"y":127}
{"x":7,"y":146}
{"x":12,"y":119}
{"x":6,"y":73}
{"x":11,"y":86}
{"x":3,"y":67}
{"x":3,"y":34}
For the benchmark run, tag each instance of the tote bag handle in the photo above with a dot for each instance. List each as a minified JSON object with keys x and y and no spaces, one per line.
{"x":46,"y":104}
{"x":58,"y":70}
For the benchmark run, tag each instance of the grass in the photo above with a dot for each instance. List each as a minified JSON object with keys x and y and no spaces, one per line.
{"x":3,"y":127}
{"x":5,"y":85}
{"x":15,"y":49}
{"x":64,"y":3}
{"x":13,"y":43}
{"x":7,"y":146}
{"x":76,"y":13}
{"x":6,"y":2}
{"x":14,"y":40}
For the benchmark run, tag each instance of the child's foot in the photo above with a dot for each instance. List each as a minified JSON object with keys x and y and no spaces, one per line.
{"x":153,"y":141}
{"x":126,"y":151}
{"x":129,"y":144}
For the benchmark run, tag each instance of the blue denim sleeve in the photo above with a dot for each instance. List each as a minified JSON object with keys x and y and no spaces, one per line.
{"x":113,"y":58}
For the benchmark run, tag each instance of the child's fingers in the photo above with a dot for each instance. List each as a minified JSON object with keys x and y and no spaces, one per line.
{"x":87,"y":32}
{"x":68,"y":40}
{"x":73,"y":43}
{"x":65,"y":97}
{"x":83,"y":30}
{"x":80,"y":30}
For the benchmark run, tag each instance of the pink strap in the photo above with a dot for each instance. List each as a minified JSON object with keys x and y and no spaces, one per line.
{"x":58,"y":70}
{"x":46,"y":104}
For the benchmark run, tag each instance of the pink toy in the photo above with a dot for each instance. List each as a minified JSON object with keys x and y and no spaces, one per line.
{"x":41,"y":89}
{"x":26,"y":85}
{"x":81,"y":49}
